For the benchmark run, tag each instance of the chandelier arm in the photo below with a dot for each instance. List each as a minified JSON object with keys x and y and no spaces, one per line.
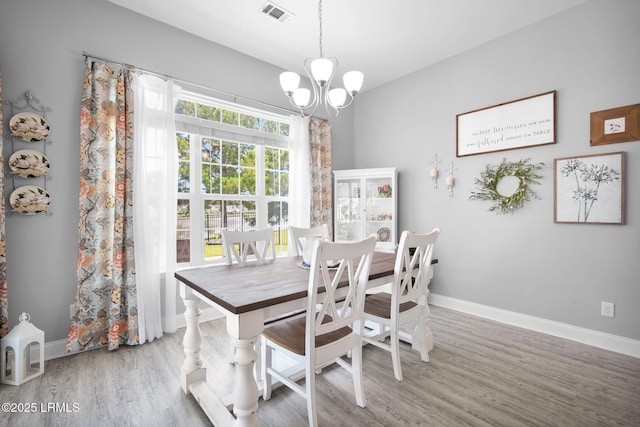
{"x":297,"y":107}
{"x":352,"y":98}
{"x":330,"y":110}
{"x":327,"y":87}
{"x":329,"y":107}
{"x":317,"y":95}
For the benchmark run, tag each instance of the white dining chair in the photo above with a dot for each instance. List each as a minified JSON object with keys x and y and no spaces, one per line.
{"x":241,"y":246}
{"x":405,"y":308}
{"x":296,"y":235}
{"x":325,"y":333}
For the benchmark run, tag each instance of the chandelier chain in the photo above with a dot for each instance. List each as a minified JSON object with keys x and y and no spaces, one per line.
{"x":320,"y":21}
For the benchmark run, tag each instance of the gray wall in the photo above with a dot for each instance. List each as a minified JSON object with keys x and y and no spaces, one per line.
{"x":41,"y":45}
{"x":522,"y":262}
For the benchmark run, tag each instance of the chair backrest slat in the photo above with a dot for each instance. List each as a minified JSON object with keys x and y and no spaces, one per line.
{"x":413,"y":261}
{"x":335,"y":265}
{"x":239,"y":246}
{"x":297,"y":233}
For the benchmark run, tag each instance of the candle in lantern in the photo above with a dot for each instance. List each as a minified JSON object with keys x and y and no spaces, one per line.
{"x":449,"y":180}
{"x":434,"y":173}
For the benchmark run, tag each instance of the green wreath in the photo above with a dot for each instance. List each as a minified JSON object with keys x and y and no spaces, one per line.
{"x":526,"y":173}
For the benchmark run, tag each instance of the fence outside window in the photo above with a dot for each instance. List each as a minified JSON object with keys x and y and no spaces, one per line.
{"x":215,"y":222}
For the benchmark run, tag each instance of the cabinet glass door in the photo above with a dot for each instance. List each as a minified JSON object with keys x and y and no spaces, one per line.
{"x":348,"y":209}
{"x":380,"y":208}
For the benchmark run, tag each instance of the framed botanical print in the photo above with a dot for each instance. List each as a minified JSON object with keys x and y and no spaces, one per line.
{"x":589,"y":189}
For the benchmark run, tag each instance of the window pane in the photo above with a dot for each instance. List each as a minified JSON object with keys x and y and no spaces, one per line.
{"x":184,"y":165}
{"x":269,"y":126}
{"x":275,"y":214}
{"x":183,"y":232}
{"x":210,"y":166}
{"x":249,"y":122}
{"x":248,"y":181}
{"x":284,"y":160}
{"x":210,"y":179}
{"x":210,"y":150}
{"x":230,"y":117}
{"x":208,"y":112}
{"x":247,"y":155}
{"x":249,"y":214}
{"x":186,"y":108}
{"x":230,"y":180}
{"x":229,"y":153}
{"x":270,"y":158}
{"x":278,"y":217}
{"x":284,"y":129}
{"x":284,"y":184}
{"x":239,"y":215}
{"x":271,"y":183}
{"x":212,"y":225}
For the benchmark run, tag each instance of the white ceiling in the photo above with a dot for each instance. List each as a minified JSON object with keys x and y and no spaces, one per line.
{"x":383,"y":39}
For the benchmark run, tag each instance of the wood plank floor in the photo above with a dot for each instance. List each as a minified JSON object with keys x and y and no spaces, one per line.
{"x":481,"y":373}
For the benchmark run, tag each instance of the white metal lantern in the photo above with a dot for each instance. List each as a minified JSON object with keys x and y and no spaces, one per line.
{"x":18,"y":347}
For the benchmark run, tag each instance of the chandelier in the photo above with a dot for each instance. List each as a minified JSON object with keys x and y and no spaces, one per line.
{"x":321,"y":72}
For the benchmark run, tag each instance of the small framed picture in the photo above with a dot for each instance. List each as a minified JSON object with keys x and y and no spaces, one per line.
{"x":589,"y":189}
{"x":620,"y":124}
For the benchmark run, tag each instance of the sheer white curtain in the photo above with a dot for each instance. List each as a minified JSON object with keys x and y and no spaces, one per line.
{"x":155,"y":202}
{"x":299,"y":175}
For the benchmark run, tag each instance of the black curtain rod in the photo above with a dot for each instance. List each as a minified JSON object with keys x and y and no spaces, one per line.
{"x":184,"y":82}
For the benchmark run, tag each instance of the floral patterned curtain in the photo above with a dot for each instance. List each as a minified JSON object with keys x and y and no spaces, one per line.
{"x":105,"y":303}
{"x":4,"y":301}
{"x":321,"y":179}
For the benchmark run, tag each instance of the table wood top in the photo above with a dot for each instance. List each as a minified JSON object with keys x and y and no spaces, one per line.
{"x":256,"y":286}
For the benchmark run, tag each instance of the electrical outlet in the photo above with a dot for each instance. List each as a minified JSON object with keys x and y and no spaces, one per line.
{"x":607,"y":309}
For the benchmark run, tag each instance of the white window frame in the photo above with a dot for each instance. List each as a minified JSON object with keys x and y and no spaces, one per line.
{"x":198,"y":128}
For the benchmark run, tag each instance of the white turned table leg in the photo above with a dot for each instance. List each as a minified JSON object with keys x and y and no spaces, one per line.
{"x":245,"y":390}
{"x":428,"y":336}
{"x":192,"y":369}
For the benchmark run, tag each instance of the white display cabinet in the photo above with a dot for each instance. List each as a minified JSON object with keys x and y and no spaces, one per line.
{"x":365,"y":203}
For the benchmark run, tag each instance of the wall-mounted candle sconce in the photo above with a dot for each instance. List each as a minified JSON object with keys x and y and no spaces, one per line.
{"x":450,"y":180}
{"x":435,"y":164}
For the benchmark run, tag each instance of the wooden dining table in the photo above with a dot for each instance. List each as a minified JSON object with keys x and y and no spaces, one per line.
{"x":249,"y":296}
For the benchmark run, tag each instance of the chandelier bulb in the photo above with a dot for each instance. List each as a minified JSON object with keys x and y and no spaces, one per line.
{"x":353,"y":82}
{"x":337,"y":97}
{"x":289,"y":81}
{"x":301,"y":97}
{"x":322,"y":70}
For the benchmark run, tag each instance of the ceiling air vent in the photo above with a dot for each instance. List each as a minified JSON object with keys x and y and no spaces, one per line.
{"x":276,"y":12}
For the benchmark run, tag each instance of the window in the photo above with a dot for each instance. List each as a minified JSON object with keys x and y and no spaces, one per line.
{"x":233,"y":173}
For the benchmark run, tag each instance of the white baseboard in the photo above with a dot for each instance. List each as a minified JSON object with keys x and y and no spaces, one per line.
{"x":56,"y":349}
{"x":590,"y":337}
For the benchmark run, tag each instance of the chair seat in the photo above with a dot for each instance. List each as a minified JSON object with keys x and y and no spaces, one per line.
{"x":379,"y":305}
{"x":291,"y":335}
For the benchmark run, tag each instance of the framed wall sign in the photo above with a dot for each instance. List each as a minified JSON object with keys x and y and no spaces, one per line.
{"x":589,"y":189}
{"x":521,"y":123}
{"x":620,"y":124}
